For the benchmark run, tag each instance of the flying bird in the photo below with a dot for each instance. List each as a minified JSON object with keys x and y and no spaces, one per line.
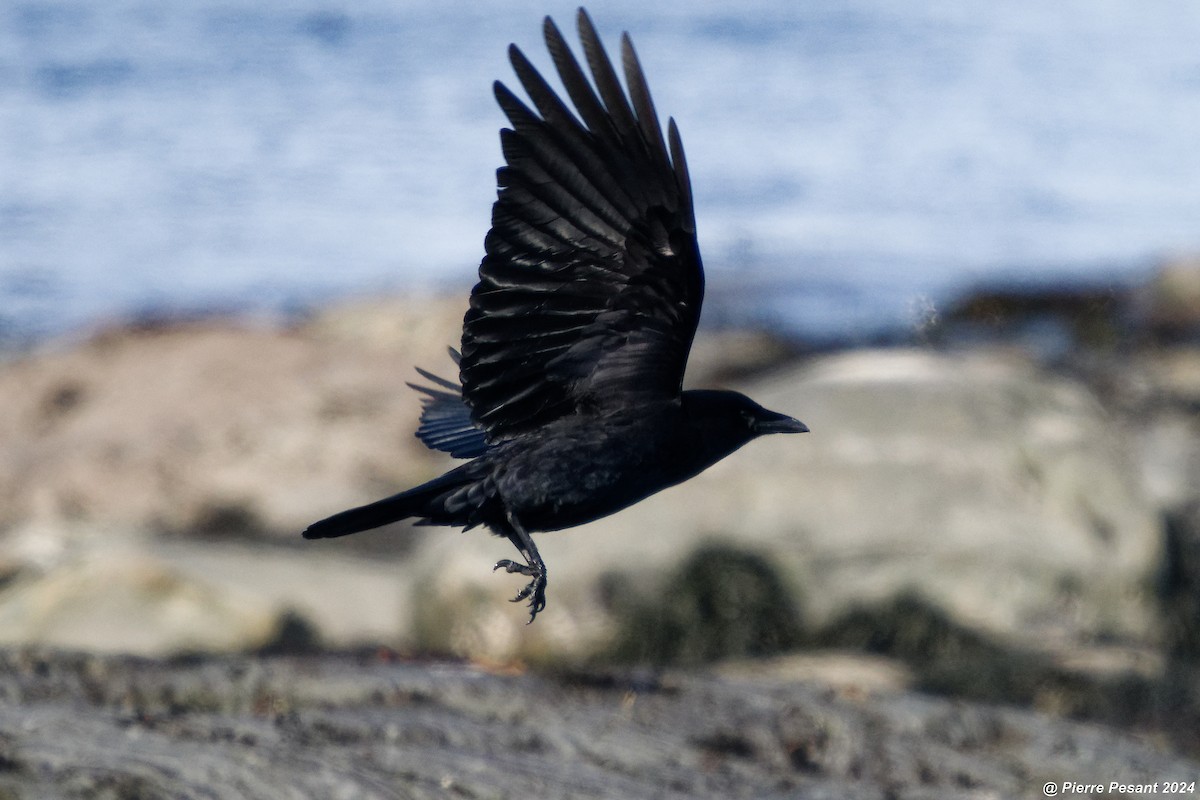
{"x":569,"y":402}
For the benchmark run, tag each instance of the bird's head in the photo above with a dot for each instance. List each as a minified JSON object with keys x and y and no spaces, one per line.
{"x":727,"y":420}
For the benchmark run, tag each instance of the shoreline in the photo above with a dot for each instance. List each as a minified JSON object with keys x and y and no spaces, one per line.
{"x":956,"y":312}
{"x":980,"y":526}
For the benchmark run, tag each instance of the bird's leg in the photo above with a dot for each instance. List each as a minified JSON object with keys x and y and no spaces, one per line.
{"x":534,"y":567}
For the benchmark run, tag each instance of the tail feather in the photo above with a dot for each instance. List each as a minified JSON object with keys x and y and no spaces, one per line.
{"x":439,"y":502}
{"x":363,"y":518}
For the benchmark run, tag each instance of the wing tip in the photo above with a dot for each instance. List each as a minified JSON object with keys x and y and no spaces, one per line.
{"x":587,"y":29}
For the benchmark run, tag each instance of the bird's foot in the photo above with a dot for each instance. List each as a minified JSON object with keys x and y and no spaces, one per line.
{"x":514,"y":566}
{"x":535,"y":591}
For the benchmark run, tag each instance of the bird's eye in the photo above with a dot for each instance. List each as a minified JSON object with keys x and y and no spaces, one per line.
{"x":748,"y":419}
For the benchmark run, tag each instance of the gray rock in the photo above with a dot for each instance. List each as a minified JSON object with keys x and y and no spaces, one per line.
{"x":126,"y":602}
{"x":366,"y":727}
{"x":159,"y":598}
{"x":1003,"y":495}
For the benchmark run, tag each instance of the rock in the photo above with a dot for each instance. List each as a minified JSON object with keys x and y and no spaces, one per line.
{"x":1002,"y":492}
{"x":1181,"y":583}
{"x":346,"y":599}
{"x":216,"y":428}
{"x":369,"y":726}
{"x":1062,"y":322}
{"x":996,"y":492}
{"x":157,"y":598}
{"x":720,"y":357}
{"x":1169,"y":304}
{"x":1002,"y":495}
{"x":1172,"y":376}
{"x":213,"y":427}
{"x":128,"y":603}
{"x":1053,"y":322}
{"x":1167,"y":447}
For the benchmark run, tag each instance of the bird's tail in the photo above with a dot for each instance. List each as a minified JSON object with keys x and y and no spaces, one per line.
{"x":437,"y":502}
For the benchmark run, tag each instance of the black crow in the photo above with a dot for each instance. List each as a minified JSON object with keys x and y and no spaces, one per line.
{"x":570,"y":402}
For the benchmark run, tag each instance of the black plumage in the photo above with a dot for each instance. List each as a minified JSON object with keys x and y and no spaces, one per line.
{"x":570,"y":401}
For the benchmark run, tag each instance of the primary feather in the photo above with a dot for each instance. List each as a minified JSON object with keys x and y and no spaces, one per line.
{"x":591,"y":288}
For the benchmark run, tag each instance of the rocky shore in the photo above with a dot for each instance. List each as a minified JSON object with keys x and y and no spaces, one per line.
{"x":979,"y":573}
{"x":369,"y":726}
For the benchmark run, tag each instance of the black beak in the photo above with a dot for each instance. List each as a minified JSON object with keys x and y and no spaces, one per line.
{"x":780,"y":423}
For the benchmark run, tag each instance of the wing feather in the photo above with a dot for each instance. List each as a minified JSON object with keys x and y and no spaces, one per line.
{"x":605,"y":77}
{"x":590,"y":292}
{"x":446,"y":422}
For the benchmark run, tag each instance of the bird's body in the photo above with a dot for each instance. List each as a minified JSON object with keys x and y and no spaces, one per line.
{"x":583,"y":468}
{"x":575,"y":470}
{"x":570,"y":404}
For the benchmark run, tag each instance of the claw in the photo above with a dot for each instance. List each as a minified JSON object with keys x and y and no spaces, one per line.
{"x":534,"y":591}
{"x":536,"y":607}
{"x":513,"y":566}
{"x":535,"y":568}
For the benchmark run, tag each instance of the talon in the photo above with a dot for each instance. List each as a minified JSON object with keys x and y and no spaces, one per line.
{"x":513,"y":566}
{"x":536,"y":592}
{"x":535,"y":609}
{"x":534,"y":567}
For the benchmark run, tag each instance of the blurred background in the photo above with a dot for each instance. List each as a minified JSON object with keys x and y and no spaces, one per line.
{"x":855,"y":161}
{"x":958,"y":239}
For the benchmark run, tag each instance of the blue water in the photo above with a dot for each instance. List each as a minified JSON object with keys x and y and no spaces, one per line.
{"x":853,"y":161}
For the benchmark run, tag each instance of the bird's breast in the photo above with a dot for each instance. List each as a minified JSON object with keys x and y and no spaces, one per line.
{"x":578,"y":473}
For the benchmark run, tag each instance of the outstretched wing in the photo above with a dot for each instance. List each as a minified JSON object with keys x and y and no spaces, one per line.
{"x":590,"y":291}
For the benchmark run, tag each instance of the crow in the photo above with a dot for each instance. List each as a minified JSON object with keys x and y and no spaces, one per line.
{"x":569,"y":402}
